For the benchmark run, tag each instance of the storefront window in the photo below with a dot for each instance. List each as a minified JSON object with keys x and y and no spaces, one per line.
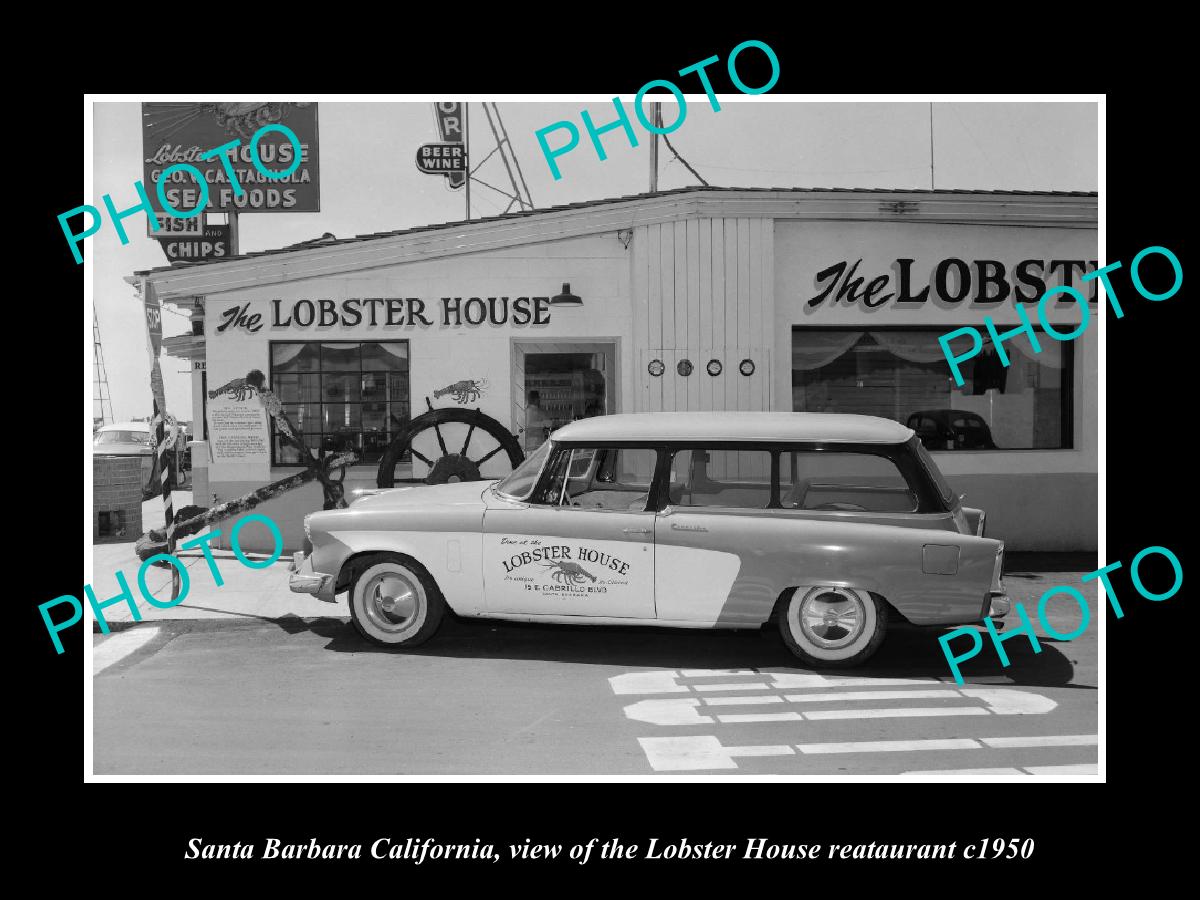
{"x":341,"y":395}
{"x":901,"y":374}
{"x":560,"y":388}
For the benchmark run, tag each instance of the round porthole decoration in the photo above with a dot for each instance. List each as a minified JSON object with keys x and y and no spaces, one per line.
{"x":746,"y":367}
{"x":685,"y":367}
{"x":656,"y":367}
{"x":714,"y":367}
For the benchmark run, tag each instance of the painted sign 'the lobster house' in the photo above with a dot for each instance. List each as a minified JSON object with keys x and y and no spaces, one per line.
{"x":389,"y":312}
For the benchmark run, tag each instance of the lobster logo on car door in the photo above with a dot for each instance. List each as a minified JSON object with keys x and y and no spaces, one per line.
{"x":555,"y":576}
{"x":558,"y":569}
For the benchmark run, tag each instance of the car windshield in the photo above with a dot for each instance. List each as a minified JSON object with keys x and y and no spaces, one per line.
{"x":123,"y":437}
{"x":519,"y":484}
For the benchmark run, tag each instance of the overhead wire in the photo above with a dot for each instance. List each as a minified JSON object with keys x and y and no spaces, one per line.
{"x":671,"y":147}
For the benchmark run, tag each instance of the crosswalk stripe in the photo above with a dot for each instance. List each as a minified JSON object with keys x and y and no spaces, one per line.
{"x":1072,"y":769}
{"x":1044,"y":740}
{"x":707,"y":752}
{"x":890,"y":746}
{"x":666,"y":681}
{"x":1076,"y":769}
{"x":761,"y":717}
{"x":741,"y":701}
{"x":960,"y":773}
{"x":896,"y":713}
{"x":1000,"y":702}
{"x":857,"y":681}
{"x":983,"y":743}
{"x":875,"y":695}
{"x":744,"y":686}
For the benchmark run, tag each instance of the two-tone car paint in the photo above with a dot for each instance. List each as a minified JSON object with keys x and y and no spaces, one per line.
{"x":674,"y":565}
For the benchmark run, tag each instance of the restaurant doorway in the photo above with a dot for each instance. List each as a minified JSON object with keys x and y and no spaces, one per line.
{"x":555,"y":383}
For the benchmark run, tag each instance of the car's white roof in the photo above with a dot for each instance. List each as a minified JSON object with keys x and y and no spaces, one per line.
{"x":126,"y":426}
{"x":736,"y":426}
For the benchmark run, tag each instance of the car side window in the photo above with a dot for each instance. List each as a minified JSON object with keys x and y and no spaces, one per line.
{"x":721,"y":478}
{"x":614,"y":478}
{"x":835,"y":481}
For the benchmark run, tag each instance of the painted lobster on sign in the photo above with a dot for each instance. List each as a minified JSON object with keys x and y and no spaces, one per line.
{"x":238,"y":389}
{"x":569,"y":572}
{"x":465,"y":391}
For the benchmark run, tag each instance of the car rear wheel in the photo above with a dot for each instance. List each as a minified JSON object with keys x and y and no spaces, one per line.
{"x":395,"y":602}
{"x":833,"y":627}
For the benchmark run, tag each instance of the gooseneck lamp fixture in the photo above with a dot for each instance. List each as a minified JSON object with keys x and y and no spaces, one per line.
{"x":566,"y":298}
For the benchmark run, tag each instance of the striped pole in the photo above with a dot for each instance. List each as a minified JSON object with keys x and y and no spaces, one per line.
{"x":162,"y":426}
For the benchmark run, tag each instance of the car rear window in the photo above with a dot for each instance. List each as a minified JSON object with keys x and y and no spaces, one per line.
{"x":123,"y":437}
{"x":934,"y":473}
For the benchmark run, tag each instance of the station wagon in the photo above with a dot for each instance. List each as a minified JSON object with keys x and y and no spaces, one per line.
{"x":828,"y":527}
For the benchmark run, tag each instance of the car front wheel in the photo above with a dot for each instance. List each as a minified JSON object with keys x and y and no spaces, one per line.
{"x":833,"y":627}
{"x":395,"y":602}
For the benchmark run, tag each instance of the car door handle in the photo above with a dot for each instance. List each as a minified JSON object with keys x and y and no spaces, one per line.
{"x":638,"y":530}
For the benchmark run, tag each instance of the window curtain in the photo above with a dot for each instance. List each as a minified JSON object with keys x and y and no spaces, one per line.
{"x":282,"y":354}
{"x":815,"y":349}
{"x":915,"y":347}
{"x":396,"y":350}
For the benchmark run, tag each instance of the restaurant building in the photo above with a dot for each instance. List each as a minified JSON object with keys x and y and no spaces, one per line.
{"x":692,"y":299}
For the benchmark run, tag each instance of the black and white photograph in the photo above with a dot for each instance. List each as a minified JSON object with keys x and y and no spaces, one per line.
{"x":696,"y":435}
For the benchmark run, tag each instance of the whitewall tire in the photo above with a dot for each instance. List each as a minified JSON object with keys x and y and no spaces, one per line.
{"x":833,"y":627}
{"x":394,"y":601}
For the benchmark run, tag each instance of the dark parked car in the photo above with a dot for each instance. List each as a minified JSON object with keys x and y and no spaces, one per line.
{"x":951,"y":429}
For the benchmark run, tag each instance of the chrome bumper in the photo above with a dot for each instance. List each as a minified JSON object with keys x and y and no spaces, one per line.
{"x":999,"y":605}
{"x":303,"y":580}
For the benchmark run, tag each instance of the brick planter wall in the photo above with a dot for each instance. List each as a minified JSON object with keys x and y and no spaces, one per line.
{"x":117,"y":487}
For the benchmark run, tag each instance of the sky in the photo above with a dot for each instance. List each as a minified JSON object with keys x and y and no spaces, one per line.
{"x":369,"y":181}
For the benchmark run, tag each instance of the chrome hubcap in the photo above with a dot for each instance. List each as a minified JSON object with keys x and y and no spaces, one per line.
{"x":832,"y":618}
{"x":392,"y":601}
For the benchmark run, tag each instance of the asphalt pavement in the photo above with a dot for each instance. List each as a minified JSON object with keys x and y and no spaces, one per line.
{"x":248,"y":679}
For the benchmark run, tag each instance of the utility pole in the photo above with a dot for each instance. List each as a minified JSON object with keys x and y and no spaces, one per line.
{"x":233,"y":232}
{"x":467,"y":151}
{"x":931,"y":181}
{"x":656,"y":117}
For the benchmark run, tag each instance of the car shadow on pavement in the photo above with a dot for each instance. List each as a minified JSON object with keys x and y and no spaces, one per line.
{"x":906,"y":653}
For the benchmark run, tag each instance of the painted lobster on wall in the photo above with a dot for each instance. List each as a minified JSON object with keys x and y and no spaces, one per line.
{"x":466,"y":391}
{"x":238,"y":389}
